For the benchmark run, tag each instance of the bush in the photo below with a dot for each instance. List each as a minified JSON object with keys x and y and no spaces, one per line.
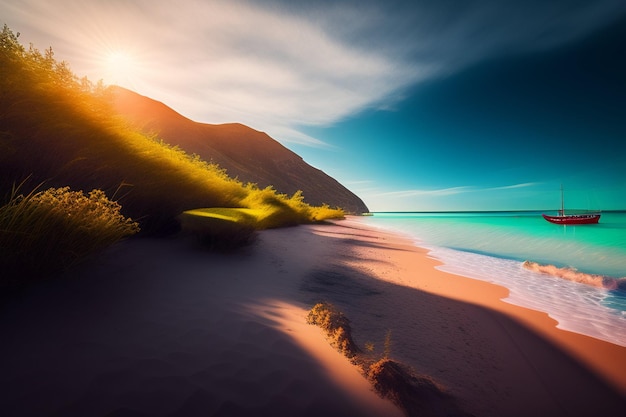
{"x":415,"y":395}
{"x":336,"y":325}
{"x":325,"y":212}
{"x":48,"y":231}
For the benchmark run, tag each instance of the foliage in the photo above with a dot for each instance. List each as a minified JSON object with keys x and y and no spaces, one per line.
{"x":325,"y":212}
{"x":336,"y":325}
{"x":225,"y":228}
{"x":220,"y":228}
{"x":416,"y":395}
{"x":52,"y":229}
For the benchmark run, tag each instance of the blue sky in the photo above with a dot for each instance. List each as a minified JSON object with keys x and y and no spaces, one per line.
{"x":413,"y":105}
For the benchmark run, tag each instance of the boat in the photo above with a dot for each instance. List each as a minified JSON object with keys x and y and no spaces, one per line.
{"x":591,"y":218}
{"x":562,"y":218}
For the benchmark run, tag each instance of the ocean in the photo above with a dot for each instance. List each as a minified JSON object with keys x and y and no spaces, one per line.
{"x":492,"y":246}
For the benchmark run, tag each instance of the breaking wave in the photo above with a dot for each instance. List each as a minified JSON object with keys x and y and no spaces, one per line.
{"x":571,"y":274}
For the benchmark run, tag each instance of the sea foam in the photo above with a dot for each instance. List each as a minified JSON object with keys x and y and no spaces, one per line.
{"x":571,"y":274}
{"x":492,"y":248}
{"x":577,"y":307}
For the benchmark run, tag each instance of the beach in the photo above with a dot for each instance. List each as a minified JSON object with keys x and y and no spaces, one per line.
{"x":162,"y":327}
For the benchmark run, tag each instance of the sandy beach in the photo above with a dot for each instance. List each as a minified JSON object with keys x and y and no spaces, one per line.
{"x":159,"y":327}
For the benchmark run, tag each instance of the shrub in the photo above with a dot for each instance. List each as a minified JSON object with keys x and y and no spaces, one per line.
{"x":325,"y":212}
{"x":279,"y":210}
{"x":50,"y":230}
{"x":336,"y":325}
{"x":415,"y":395}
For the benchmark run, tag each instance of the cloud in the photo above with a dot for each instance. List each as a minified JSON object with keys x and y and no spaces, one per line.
{"x":360,"y":182}
{"x":514,"y":186}
{"x":451,"y":191}
{"x":218,"y":61}
{"x":277,"y":65}
{"x":419,"y":193}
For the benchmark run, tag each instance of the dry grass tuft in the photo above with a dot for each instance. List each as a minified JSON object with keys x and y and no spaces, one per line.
{"x":416,"y":395}
{"x":336,"y":325}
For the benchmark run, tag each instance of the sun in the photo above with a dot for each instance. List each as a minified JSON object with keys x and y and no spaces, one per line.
{"x":120,"y":66}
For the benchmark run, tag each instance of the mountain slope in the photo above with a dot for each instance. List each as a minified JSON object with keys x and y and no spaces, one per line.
{"x":245,"y":153}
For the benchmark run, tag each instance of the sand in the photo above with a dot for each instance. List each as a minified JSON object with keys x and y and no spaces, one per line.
{"x":158,"y":327}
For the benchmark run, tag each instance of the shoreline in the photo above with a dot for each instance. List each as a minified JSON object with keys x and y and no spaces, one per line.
{"x":605,"y":358}
{"x":161,"y":327}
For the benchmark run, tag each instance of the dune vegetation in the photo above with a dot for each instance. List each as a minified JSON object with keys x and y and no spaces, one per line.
{"x":336,"y":326}
{"x":50,"y":230}
{"x":59,"y":131}
{"x":413,"y":393}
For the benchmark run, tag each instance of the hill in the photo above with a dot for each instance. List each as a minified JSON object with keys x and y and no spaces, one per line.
{"x":245,"y":153}
{"x":59,"y":131}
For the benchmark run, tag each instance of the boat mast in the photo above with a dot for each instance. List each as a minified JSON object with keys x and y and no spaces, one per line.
{"x":562,"y":203}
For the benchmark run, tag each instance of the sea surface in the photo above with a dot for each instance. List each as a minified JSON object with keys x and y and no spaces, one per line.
{"x":492,"y":246}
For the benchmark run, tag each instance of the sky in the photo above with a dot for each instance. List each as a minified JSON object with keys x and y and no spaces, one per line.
{"x":413,"y":105}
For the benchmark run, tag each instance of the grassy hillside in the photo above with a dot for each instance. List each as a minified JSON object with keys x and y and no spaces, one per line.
{"x":247,"y":154}
{"x":59,"y":131}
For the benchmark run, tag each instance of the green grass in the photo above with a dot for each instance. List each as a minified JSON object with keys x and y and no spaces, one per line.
{"x":225,"y":227}
{"x":236,"y":215}
{"x":220,"y":228}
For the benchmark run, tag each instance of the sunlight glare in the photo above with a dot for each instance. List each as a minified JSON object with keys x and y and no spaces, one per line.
{"x":120,"y":66}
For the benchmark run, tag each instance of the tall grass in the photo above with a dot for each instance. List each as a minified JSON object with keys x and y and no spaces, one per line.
{"x":50,"y":230}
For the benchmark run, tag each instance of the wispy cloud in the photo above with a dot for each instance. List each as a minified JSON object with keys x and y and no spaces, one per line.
{"x":426,"y":192}
{"x":360,"y":182}
{"x":514,"y":186}
{"x":451,"y":191}
{"x":277,"y":66}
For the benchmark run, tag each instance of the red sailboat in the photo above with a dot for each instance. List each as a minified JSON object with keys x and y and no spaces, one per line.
{"x":562,"y":218}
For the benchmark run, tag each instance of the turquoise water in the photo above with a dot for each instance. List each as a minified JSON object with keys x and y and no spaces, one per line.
{"x":491,"y":246}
